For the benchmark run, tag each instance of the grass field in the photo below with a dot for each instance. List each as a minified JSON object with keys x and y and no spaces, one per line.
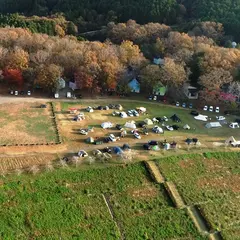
{"x":198,"y":129}
{"x":211,"y":181}
{"x":69,"y":204}
{"x":25,"y":123}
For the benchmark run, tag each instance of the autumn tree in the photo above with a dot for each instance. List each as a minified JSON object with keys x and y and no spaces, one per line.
{"x":13,"y":76}
{"x":47,"y":76}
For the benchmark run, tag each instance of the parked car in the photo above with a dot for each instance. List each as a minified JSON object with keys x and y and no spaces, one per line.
{"x":217,"y":109}
{"x":89,"y":109}
{"x":83,"y":132}
{"x":184,"y":105}
{"x":119,"y":127}
{"x":29,"y":93}
{"x":205,"y":108}
{"x":169,"y":128}
{"x":220,"y":118}
{"x":56,"y":95}
{"x":154,"y":98}
{"x":11,"y":92}
{"x":69,"y":94}
{"x":16,"y":93}
{"x":177,"y":104}
{"x":130,"y":113}
{"x":43,"y":106}
{"x":157,"y":129}
{"x":194,"y":113}
{"x":153,"y":142}
{"x":135,"y":113}
{"x":141,"y":124}
{"x":136,"y":135}
{"x":107,"y":150}
{"x":210,"y":109}
{"x":22,"y":92}
{"x":165,"y":118}
{"x":190,"y":105}
{"x":175,"y":127}
{"x":126,"y":147}
{"x":146,"y":146}
{"x":82,"y":153}
{"x":100,"y":108}
{"x":112,"y":138}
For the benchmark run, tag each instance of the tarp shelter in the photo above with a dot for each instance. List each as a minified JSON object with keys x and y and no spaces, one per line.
{"x":201,"y":117}
{"x":159,"y":90}
{"x":61,"y":83}
{"x":167,"y":146}
{"x":130,"y":125}
{"x":134,"y":85}
{"x":117,"y":150}
{"x":106,"y":125}
{"x":213,"y":125}
{"x":155,"y":148}
{"x":230,"y":140}
{"x":90,"y":140}
{"x":148,"y":121}
{"x":73,"y":86}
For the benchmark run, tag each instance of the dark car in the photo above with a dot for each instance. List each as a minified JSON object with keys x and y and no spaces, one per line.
{"x":160,"y":119}
{"x":107,"y":150}
{"x":153,"y":142}
{"x":43,"y":106}
{"x":146,"y":146}
{"x":107,"y":140}
{"x":141,"y":124}
{"x":194,"y":113}
{"x":22,"y":92}
{"x":226,"y":112}
{"x":175,"y":118}
{"x":100,"y":108}
{"x":119,"y":127}
{"x":126,"y":147}
{"x":175,"y":127}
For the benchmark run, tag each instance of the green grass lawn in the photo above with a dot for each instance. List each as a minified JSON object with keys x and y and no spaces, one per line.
{"x":68,"y":204}
{"x":26,"y":123}
{"x":211,"y":181}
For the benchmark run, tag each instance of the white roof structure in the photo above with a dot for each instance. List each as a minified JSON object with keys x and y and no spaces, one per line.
{"x":106,"y":125}
{"x":230,"y":140}
{"x":213,"y":125}
{"x":148,"y":121}
{"x":201,"y":117}
{"x":130,"y":125}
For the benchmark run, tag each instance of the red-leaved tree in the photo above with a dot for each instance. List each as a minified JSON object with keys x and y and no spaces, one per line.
{"x":13,"y":76}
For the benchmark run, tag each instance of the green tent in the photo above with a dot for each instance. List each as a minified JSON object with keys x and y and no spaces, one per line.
{"x":160,"y":90}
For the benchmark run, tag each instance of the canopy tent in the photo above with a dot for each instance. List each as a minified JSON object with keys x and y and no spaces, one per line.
{"x":148,"y":121}
{"x":106,"y":125}
{"x":141,"y":109}
{"x":134,"y":85}
{"x":213,"y":125}
{"x":130,"y":125}
{"x":123,"y":115}
{"x":90,"y":140}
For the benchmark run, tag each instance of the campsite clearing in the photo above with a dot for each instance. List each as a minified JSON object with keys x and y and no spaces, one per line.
{"x":26,"y":123}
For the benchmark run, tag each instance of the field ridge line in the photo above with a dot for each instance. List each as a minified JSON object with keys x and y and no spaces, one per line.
{"x":155,"y":171}
{"x":110,"y":210}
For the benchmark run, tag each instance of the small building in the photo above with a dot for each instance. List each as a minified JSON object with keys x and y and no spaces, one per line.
{"x":159,"y":90}
{"x":190,"y":91}
{"x":134,"y":86}
{"x":158,"y":61}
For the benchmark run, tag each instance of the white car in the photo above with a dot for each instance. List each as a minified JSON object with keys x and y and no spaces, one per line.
{"x":165,"y":118}
{"x":169,"y":128}
{"x":83,"y":132}
{"x":82,"y":153}
{"x":220,"y":118}
{"x":29,"y":93}
{"x":137,"y":135}
{"x":16,"y":93}
{"x":234,"y":125}
{"x":217,"y":110}
{"x":89,"y":109}
{"x":130,"y":113}
{"x":154,"y":98}
{"x":210,"y":109}
{"x":135,"y":113}
{"x":177,"y":104}
{"x":56,"y":95}
{"x":69,"y":94}
{"x":112,"y":138}
{"x":205,"y":108}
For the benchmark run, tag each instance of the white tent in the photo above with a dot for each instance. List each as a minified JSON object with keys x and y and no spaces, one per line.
{"x":106,"y":125}
{"x":130,"y":125}
{"x":123,"y":115}
{"x":186,"y":127}
{"x":213,"y":125}
{"x":148,"y":121}
{"x":201,"y":117}
{"x":230,"y":140}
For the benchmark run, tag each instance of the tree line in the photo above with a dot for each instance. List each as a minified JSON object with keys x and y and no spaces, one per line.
{"x":90,"y":15}
{"x":41,"y":60}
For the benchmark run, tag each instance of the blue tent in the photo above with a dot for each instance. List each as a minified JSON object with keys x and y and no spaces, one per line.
{"x":134,"y":85}
{"x":117,"y":150}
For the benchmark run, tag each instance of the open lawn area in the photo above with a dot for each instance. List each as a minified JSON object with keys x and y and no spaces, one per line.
{"x":212,"y":182}
{"x":74,"y":204}
{"x":207,"y":137}
{"x":26,"y":123}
